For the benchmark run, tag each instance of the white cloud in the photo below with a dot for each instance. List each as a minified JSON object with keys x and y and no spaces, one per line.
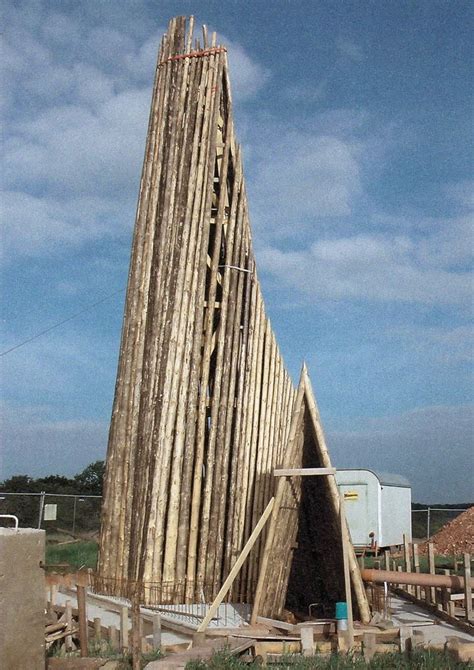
{"x":349,"y":49}
{"x":444,"y":345}
{"x":74,"y":145}
{"x":302,"y":176}
{"x":462,"y":193}
{"x":247,"y":76}
{"x":372,"y":267}
{"x":34,"y":225}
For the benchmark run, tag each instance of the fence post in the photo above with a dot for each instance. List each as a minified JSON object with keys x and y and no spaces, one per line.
{"x":40,"y":518}
{"x":74,"y":516}
{"x":428,"y":523}
{"x":416,"y":567}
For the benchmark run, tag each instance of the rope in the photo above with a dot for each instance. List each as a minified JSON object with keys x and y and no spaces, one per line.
{"x":195,"y":54}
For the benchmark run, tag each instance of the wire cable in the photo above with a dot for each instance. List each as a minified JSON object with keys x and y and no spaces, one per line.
{"x":60,"y":323}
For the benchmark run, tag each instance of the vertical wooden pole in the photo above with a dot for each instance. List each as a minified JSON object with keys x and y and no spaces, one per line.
{"x":124,"y":629}
{"x":68,"y":613}
{"x":446,"y":593}
{"x":467,"y":586}
{"x":136,"y":630}
{"x":369,"y":645}
{"x":81,"y":606}
{"x":113,"y":638}
{"x":307,"y":640}
{"x":347,"y":576}
{"x":416,"y":566}
{"x":407,"y":560}
{"x":156,"y":631}
{"x":97,"y":628}
{"x":432,"y":570}
{"x":406,"y":633}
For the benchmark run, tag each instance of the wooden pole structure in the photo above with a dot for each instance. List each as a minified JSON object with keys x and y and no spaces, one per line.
{"x":203,"y":408}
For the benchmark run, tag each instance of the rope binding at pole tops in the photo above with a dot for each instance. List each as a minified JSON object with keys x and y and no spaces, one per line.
{"x":195,"y":54}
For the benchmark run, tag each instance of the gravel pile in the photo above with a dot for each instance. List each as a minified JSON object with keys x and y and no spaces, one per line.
{"x":457,"y":536}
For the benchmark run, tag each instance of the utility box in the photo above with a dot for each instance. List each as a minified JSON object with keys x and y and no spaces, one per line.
{"x":22,"y":599}
{"x":377,"y":506}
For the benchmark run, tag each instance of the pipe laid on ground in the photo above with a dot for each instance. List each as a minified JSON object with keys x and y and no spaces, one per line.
{"x":414,"y":578}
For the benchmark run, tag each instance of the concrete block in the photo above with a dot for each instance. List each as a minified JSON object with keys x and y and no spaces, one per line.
{"x":22,"y":599}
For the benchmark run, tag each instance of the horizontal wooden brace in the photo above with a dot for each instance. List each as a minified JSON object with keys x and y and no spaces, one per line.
{"x":303,"y":472}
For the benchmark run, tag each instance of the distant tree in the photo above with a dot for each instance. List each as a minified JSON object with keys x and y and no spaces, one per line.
{"x":90,"y":480}
{"x":19,"y":484}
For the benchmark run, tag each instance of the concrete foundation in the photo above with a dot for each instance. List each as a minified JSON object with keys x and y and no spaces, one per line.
{"x":22,"y":599}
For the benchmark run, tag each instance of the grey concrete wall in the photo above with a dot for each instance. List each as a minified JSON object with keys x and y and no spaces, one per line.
{"x":22,"y":599}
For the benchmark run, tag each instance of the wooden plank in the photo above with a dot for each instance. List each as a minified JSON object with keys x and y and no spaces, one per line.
{"x":303,"y":472}
{"x":275,"y":623}
{"x":238,"y":564}
{"x":459,"y":596}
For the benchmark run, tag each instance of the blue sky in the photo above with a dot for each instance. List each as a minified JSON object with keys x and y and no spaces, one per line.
{"x":356,"y":125}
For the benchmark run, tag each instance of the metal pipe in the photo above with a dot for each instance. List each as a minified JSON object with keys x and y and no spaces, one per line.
{"x":415,"y":578}
{"x":10,"y":516}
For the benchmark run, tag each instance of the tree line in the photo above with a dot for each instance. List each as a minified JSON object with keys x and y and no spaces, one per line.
{"x":87,"y":482}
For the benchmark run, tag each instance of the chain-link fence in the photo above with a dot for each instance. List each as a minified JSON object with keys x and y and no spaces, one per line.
{"x":54,"y":512}
{"x":426,"y":522}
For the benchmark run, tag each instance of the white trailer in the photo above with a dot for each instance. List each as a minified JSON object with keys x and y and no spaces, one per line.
{"x":378,"y":507}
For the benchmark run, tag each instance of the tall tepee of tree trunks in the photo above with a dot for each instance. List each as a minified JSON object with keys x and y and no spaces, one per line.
{"x":203,"y":402}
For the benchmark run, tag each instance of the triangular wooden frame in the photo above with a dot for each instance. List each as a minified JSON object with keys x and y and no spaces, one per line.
{"x":268,"y":600}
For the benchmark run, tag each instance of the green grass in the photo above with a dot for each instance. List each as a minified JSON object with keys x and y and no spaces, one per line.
{"x":77,"y":555}
{"x":423,"y":660}
{"x":101,"y":649}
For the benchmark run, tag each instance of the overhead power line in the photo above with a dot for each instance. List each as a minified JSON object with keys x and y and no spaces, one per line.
{"x":60,"y":323}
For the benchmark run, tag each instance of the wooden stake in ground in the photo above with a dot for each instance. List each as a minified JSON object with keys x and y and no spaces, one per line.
{"x":136,"y":630}
{"x":81,"y":606}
